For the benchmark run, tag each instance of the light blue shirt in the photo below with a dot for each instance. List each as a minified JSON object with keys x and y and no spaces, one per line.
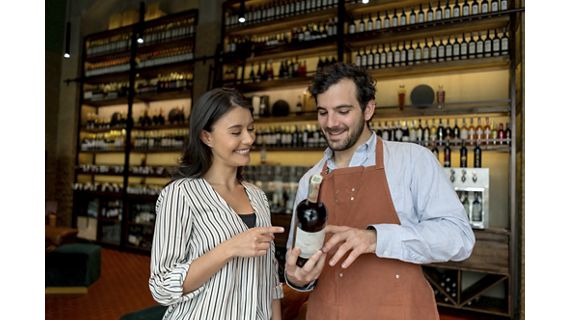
{"x":433,"y":223}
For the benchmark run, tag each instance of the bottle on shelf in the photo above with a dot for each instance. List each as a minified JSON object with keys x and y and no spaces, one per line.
{"x":438,"y":12}
{"x":395,"y":18}
{"x":494,"y":5}
{"x":477,"y":209}
{"x":447,"y":155}
{"x":488,"y":45}
{"x":477,"y":155}
{"x":421,"y":15}
{"x":463,"y":155}
{"x":378,"y":22}
{"x":465,"y":8}
{"x":311,"y":217}
{"x":456,"y":10}
{"x":446,"y":10}
{"x":484,"y":6}
{"x":413,"y":16}
{"x":475,"y":7}
{"x":430,"y":16}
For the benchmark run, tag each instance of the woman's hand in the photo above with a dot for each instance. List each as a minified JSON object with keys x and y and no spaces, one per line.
{"x":253,"y":242}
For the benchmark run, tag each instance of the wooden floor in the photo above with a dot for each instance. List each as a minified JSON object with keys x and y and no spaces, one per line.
{"x":121,"y":289}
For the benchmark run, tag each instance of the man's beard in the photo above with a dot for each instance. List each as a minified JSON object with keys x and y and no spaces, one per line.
{"x":349,"y":141}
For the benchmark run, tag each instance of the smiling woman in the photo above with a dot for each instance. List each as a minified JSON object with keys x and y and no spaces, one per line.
{"x":213,"y":235}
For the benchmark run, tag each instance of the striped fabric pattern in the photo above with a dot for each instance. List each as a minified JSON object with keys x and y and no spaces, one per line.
{"x":191,"y":219}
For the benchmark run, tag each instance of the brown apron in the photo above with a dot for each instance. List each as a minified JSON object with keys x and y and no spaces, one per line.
{"x":372,"y":287}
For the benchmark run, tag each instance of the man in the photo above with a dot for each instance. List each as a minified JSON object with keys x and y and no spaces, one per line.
{"x":390,"y":209}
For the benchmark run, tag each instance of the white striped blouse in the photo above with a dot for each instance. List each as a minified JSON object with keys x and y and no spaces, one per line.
{"x":191,"y":219}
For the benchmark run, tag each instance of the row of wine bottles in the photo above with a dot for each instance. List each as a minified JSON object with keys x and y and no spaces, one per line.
{"x":401,"y":17}
{"x":119,"y":169}
{"x":287,"y":69}
{"x":426,"y":132}
{"x":165,"y":83}
{"x":114,"y":140}
{"x":161,"y":139}
{"x":170,"y":31}
{"x":148,"y":59}
{"x":472,"y":203}
{"x":138,"y":189}
{"x":423,"y":131}
{"x":276,"y":10}
{"x":282,"y":9}
{"x":122,"y":42}
{"x":477,"y":45}
{"x":463,"y":155}
{"x":310,"y":32}
{"x":118,"y":120}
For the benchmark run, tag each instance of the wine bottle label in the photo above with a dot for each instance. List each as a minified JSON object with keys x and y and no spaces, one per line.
{"x":309,"y":242}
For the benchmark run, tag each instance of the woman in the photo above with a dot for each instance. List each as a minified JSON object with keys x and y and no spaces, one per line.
{"x":213,"y":255}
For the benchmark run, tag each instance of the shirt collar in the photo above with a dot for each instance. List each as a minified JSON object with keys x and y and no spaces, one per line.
{"x":360,"y":156}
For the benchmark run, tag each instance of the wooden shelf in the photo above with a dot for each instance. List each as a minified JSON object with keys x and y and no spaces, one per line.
{"x":143,"y":97}
{"x":185,"y":93}
{"x":304,"y":82}
{"x":153,"y":71}
{"x":490,"y":254}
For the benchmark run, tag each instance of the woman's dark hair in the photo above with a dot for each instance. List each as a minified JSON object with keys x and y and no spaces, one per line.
{"x":332,"y":74}
{"x":212,"y":105}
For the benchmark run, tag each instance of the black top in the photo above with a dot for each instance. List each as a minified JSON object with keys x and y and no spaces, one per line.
{"x":248,"y":219}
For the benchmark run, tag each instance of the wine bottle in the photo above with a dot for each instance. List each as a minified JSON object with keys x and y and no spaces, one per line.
{"x":378,"y":22}
{"x":477,"y":210}
{"x":494,"y":5}
{"x":403,"y":18}
{"x":413,"y":16}
{"x":488,"y":45}
{"x":475,"y":7}
{"x":456,"y":9}
{"x":465,"y":8}
{"x":484,"y":6}
{"x":447,"y":156}
{"x":438,"y":11}
{"x":477,"y":155}
{"x":447,"y":10}
{"x":421,"y":15}
{"x":463,"y":155}
{"x":351,"y":26}
{"x":311,"y":221}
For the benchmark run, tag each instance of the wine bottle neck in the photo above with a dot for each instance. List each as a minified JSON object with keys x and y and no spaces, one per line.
{"x":314,"y":186}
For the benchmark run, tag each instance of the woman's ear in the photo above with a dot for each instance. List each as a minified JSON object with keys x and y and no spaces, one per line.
{"x":206,"y":138}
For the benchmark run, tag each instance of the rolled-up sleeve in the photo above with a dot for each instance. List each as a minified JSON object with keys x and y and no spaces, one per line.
{"x":171,"y":255}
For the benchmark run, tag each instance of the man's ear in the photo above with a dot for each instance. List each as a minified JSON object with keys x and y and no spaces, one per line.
{"x":206,"y":138}
{"x":369,"y":110}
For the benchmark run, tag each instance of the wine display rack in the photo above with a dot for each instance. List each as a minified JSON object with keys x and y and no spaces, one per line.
{"x":135,"y":101}
{"x":283,"y":43}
